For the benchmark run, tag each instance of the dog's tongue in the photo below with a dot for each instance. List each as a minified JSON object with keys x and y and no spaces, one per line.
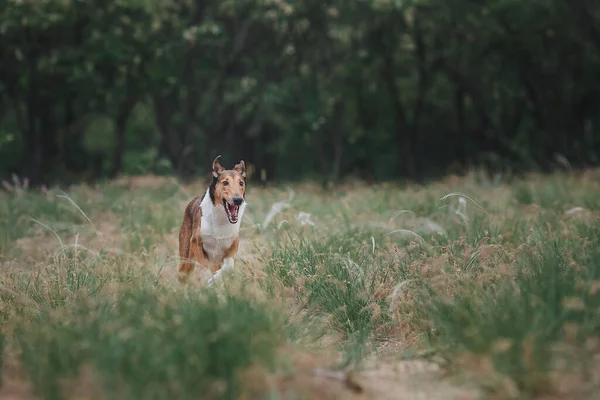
{"x":233,"y":210}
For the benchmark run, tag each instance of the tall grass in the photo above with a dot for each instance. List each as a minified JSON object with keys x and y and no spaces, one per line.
{"x":143,"y":345}
{"x":501,"y":284}
{"x":513,"y":327}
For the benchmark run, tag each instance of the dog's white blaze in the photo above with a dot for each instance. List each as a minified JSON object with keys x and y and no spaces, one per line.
{"x":217,"y":232}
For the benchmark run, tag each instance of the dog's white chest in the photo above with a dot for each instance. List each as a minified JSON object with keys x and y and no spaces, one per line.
{"x":217,"y":233}
{"x":216,"y":249}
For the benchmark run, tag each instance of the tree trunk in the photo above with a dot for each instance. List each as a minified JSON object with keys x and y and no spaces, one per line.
{"x":121,"y":125}
{"x":424,"y":82}
{"x":169,"y":146}
{"x":461,"y":125}
{"x":366,"y":166}
{"x":337,"y":143}
{"x":403,"y":132}
{"x":33,"y":151}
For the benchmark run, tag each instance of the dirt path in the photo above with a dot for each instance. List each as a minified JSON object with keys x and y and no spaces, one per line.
{"x":402,"y":380}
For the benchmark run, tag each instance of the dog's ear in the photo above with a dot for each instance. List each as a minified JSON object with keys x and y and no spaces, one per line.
{"x":217,"y":169}
{"x":241,"y":168}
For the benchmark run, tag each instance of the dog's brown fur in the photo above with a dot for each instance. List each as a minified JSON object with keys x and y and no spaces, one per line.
{"x":226,"y":185}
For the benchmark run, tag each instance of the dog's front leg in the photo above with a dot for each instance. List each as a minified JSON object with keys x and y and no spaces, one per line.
{"x":227,"y":265}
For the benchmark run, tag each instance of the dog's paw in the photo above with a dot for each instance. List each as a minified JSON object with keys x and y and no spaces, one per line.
{"x":216,"y":278}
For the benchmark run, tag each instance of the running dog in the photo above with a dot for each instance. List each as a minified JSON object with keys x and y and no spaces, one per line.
{"x":209,"y":233}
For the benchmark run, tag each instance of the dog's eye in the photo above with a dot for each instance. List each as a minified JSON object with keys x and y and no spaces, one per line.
{"x":225,"y":183}
{"x":241,"y":183}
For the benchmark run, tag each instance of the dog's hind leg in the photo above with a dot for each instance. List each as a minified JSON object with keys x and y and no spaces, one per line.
{"x":187,"y":254}
{"x":196,"y":256}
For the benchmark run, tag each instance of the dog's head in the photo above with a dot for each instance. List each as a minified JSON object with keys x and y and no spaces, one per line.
{"x":228,"y":188}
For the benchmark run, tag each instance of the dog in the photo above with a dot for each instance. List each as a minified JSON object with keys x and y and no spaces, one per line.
{"x":209,"y":233}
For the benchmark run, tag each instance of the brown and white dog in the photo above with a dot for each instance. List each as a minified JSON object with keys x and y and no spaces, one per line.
{"x":209,"y":233}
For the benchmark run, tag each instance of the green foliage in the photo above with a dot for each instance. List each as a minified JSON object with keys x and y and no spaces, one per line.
{"x":328,"y":89}
{"x":99,"y":135}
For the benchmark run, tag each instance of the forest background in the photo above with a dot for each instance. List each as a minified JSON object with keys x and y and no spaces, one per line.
{"x":373,"y":89}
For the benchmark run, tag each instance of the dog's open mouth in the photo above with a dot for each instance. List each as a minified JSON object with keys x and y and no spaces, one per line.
{"x":232,"y":211}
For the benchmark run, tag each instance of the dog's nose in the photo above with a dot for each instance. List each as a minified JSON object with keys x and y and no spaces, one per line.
{"x":238,"y":201}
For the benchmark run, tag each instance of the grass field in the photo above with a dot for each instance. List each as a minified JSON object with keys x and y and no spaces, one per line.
{"x":456,"y":290}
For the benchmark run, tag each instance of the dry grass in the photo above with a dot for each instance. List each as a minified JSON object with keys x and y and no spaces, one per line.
{"x":452,"y":290}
